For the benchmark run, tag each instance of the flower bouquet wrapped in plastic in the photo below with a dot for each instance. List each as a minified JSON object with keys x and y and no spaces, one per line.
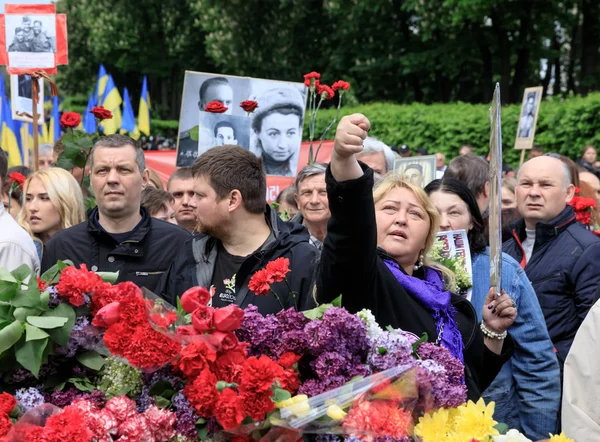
{"x":383,"y":404}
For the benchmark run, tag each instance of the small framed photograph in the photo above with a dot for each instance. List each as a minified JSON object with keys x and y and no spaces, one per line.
{"x":31,"y":40}
{"x":532,"y":97}
{"x":21,"y":90}
{"x":272,"y":132}
{"x":419,"y":171}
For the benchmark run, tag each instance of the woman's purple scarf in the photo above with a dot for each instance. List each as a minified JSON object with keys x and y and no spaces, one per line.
{"x":430,"y":292}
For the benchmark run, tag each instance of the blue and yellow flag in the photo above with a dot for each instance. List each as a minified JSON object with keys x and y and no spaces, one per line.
{"x":111,"y":100}
{"x":144,"y":109}
{"x":54,"y":131}
{"x":100,"y":85}
{"x":128,"y":124}
{"x":9,"y":138}
{"x":89,"y":122}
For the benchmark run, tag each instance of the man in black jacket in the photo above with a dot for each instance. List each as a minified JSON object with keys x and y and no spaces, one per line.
{"x":559,"y":255}
{"x":239,"y":237}
{"x":118,"y":235}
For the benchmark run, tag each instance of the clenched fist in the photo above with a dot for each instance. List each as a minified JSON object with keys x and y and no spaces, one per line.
{"x":350,"y":134}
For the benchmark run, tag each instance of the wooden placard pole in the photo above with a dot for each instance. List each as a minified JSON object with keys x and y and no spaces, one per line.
{"x":35,"y":123}
{"x":522,"y":158}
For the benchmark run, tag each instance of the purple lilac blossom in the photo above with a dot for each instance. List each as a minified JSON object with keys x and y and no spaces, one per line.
{"x":21,"y":375}
{"x":29,"y":398}
{"x":186,"y":417}
{"x":338,"y":330}
{"x":259,"y":331}
{"x":313,"y":387}
{"x":63,"y":398}
{"x":454,"y":368}
{"x":396,"y":350}
{"x":54,"y":299}
{"x":290,"y":319}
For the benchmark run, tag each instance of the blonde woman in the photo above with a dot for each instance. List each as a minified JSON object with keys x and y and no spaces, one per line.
{"x":374,"y":255}
{"x":52,"y":202}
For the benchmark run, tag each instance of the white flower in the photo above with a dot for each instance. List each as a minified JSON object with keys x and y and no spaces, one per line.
{"x":511,"y":436}
{"x":373,"y":329}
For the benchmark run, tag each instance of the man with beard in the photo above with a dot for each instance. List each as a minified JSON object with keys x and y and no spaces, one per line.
{"x":240,"y":234}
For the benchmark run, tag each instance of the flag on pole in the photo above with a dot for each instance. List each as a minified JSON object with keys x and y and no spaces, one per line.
{"x":100,"y":85}
{"x":54,"y":131}
{"x":8,"y":139}
{"x":111,"y":100}
{"x":89,"y":122}
{"x":144,"y":109}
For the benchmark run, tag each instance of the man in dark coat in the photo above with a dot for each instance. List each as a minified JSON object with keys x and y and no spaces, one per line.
{"x":560,"y":257}
{"x":240,"y":235}
{"x":119,"y":235}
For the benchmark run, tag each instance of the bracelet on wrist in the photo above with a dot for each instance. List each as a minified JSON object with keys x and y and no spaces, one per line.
{"x":490,"y":334}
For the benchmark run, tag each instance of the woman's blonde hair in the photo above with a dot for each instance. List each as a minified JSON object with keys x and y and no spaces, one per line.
{"x":64,"y":193}
{"x":393,"y":181}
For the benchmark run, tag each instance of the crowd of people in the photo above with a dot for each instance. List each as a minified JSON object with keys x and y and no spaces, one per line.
{"x":350,"y":227}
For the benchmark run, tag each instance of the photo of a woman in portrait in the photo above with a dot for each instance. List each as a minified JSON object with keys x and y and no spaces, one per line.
{"x":277,"y":130}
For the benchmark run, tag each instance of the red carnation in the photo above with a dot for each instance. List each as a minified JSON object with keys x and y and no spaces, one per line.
{"x":325,"y":92}
{"x":202,"y":318}
{"x":259,"y":374}
{"x":258,"y":405}
{"x":117,"y":338}
{"x":7,"y":403}
{"x":164,"y":321}
{"x":260,"y":283}
{"x":70,"y":119}
{"x":195,"y":358}
{"x":68,"y":426}
{"x":341,"y":85}
{"x":249,"y":105}
{"x":229,"y":409}
{"x":278,"y":269}
{"x":229,"y":367}
{"x":5,"y":425}
{"x":288,"y":359}
{"x":74,"y":283}
{"x":100,"y":113}
{"x":150,"y":349}
{"x":311,"y":78}
{"x":223,"y":341}
{"x":577,"y":190}
{"x":202,"y":393}
{"x":584,"y":218}
{"x":106,"y":293}
{"x":18,"y":178}
{"x":193,"y":298}
{"x":41,"y":284}
{"x":228,"y":318}
{"x":215,"y":107}
{"x":289,"y":380}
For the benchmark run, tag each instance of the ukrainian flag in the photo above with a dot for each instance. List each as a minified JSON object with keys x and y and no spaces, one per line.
{"x":144,"y":110}
{"x":112,"y":100}
{"x":128,"y":123}
{"x":54,"y":132}
{"x":100,"y":85}
{"x":89,"y":122}
{"x":9,"y":140}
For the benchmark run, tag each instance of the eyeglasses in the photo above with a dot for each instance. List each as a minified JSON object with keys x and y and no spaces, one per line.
{"x":552,"y":155}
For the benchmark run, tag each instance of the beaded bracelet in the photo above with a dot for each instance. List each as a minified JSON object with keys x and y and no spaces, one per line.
{"x":492,"y":335}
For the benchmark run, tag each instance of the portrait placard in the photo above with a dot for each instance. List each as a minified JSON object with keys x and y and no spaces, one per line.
{"x":456,"y":243}
{"x":21,"y":103}
{"x":532,"y":97}
{"x":273,"y":131}
{"x":419,"y":171}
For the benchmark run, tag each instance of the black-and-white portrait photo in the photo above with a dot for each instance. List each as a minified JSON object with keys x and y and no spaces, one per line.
{"x":528,"y":112}
{"x":418,"y":171}
{"x":21,"y":89}
{"x":273,"y":131}
{"x":31,"y":39}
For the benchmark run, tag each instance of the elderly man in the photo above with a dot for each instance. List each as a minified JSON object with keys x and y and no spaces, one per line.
{"x":311,"y":198}
{"x":377,"y":155}
{"x":119,"y":235}
{"x":475,"y":173}
{"x":440,"y":165}
{"x":559,"y":255}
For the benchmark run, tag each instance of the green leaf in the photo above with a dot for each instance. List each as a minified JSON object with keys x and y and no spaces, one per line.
{"x":317,"y":312}
{"x":203,"y":433}
{"x":5,"y":275}
{"x":337,"y":302}
{"x":30,"y":297}
{"x":279,"y":394}
{"x":81,"y":159}
{"x":29,"y":354}
{"x":90,"y":203}
{"x":158,"y":388}
{"x":200,"y":421}
{"x":415,"y":346}
{"x":44,"y":299}
{"x":22,"y":272}
{"x":47,"y":322}
{"x":82,"y":384}
{"x":501,"y":427}
{"x":8,"y":285}
{"x":162,"y":402}
{"x":91,"y":359}
{"x":65,"y":163}
{"x":10,"y":335}
{"x":110,"y":277}
{"x":21,"y":313}
{"x":71,"y":148}
{"x":382,"y":350}
{"x":33,"y":333}
{"x":61,"y":335}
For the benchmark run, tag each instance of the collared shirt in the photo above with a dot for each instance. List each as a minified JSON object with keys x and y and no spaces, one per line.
{"x":16,"y":246}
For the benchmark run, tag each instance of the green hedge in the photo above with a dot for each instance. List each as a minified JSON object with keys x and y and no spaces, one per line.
{"x":564,"y":127}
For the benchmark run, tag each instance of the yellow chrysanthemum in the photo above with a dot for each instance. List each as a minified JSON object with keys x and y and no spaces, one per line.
{"x":560,"y":438}
{"x":476,"y":421}
{"x":433,"y":427}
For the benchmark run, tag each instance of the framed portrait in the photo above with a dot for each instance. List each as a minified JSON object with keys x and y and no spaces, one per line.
{"x":419,"y":171}
{"x":273,"y":131}
{"x":30,"y":40}
{"x":21,"y":88}
{"x":532,"y":97}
